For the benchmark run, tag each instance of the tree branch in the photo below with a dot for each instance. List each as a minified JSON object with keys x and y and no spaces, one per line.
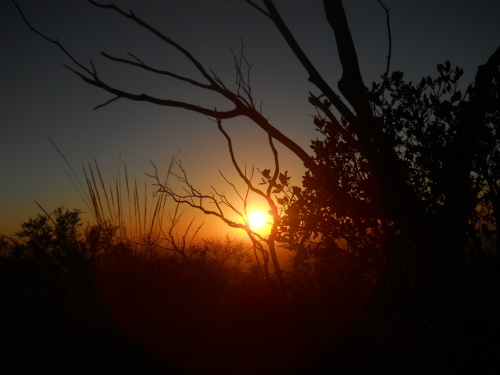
{"x":242,"y":107}
{"x":142,"y":65}
{"x":52,"y":41}
{"x":263,"y":11}
{"x":389,"y":34}
{"x":351,"y":84}
{"x":130,"y":15}
{"x":314,"y":76}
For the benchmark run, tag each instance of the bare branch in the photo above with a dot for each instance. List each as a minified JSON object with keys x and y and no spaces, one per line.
{"x":275,"y":175}
{"x":241,"y":106}
{"x":351,"y":84}
{"x":178,"y":244}
{"x":389,"y":34}
{"x":264,"y":124}
{"x":130,"y":15}
{"x":263,"y":11}
{"x":242,"y":80}
{"x":314,"y":76}
{"x":52,"y":41}
{"x":194,"y":198}
{"x":235,"y":163}
{"x":234,"y":187}
{"x":142,"y":65}
{"x":106,"y":103}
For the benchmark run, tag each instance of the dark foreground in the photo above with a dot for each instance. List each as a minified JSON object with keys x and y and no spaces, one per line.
{"x":148,"y":315}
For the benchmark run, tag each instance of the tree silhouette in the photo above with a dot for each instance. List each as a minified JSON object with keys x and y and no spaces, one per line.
{"x":56,"y":233}
{"x":217,"y":203}
{"x":415,"y":165}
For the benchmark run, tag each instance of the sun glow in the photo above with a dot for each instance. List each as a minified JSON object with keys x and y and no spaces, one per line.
{"x":259,"y":220}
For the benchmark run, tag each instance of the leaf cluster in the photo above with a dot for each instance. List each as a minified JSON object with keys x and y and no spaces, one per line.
{"x":420,"y":121}
{"x":339,"y":205}
{"x":56,"y":233}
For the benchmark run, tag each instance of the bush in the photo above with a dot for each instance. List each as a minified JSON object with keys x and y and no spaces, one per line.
{"x":55,"y":234}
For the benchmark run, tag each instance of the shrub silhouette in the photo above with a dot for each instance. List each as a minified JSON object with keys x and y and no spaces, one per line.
{"x":56,"y":233}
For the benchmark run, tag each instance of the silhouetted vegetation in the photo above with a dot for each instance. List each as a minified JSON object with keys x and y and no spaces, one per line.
{"x":393,"y":235}
{"x":213,"y":311}
{"x":125,"y":309}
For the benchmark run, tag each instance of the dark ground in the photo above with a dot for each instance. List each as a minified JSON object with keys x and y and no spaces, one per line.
{"x":138,"y":317}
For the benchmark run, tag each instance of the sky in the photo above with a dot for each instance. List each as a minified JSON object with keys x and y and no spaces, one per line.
{"x":41,"y":99}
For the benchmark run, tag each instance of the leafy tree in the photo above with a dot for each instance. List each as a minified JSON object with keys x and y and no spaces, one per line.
{"x":420,"y":121}
{"x":56,"y":233}
{"x":102,"y":238}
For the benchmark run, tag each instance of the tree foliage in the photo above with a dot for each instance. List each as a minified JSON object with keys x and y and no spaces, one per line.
{"x":56,"y":233}
{"x":341,"y":200}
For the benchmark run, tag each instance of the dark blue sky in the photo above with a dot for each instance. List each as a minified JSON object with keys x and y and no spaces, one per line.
{"x":40,"y":98}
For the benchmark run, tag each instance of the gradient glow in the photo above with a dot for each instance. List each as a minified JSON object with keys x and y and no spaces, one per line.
{"x":40,"y":98}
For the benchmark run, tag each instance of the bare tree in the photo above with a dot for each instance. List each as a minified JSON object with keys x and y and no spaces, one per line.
{"x":216,"y":203}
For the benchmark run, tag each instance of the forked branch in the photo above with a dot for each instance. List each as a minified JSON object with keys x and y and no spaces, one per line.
{"x":241,"y":101}
{"x":389,"y":36}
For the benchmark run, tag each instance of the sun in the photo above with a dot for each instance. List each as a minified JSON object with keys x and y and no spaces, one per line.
{"x":258,"y":220}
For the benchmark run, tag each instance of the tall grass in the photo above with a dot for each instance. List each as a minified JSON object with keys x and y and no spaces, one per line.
{"x":106,"y":202}
{"x":122,"y":209}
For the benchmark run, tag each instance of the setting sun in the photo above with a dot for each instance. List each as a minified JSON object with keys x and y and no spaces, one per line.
{"x":258,"y":220}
